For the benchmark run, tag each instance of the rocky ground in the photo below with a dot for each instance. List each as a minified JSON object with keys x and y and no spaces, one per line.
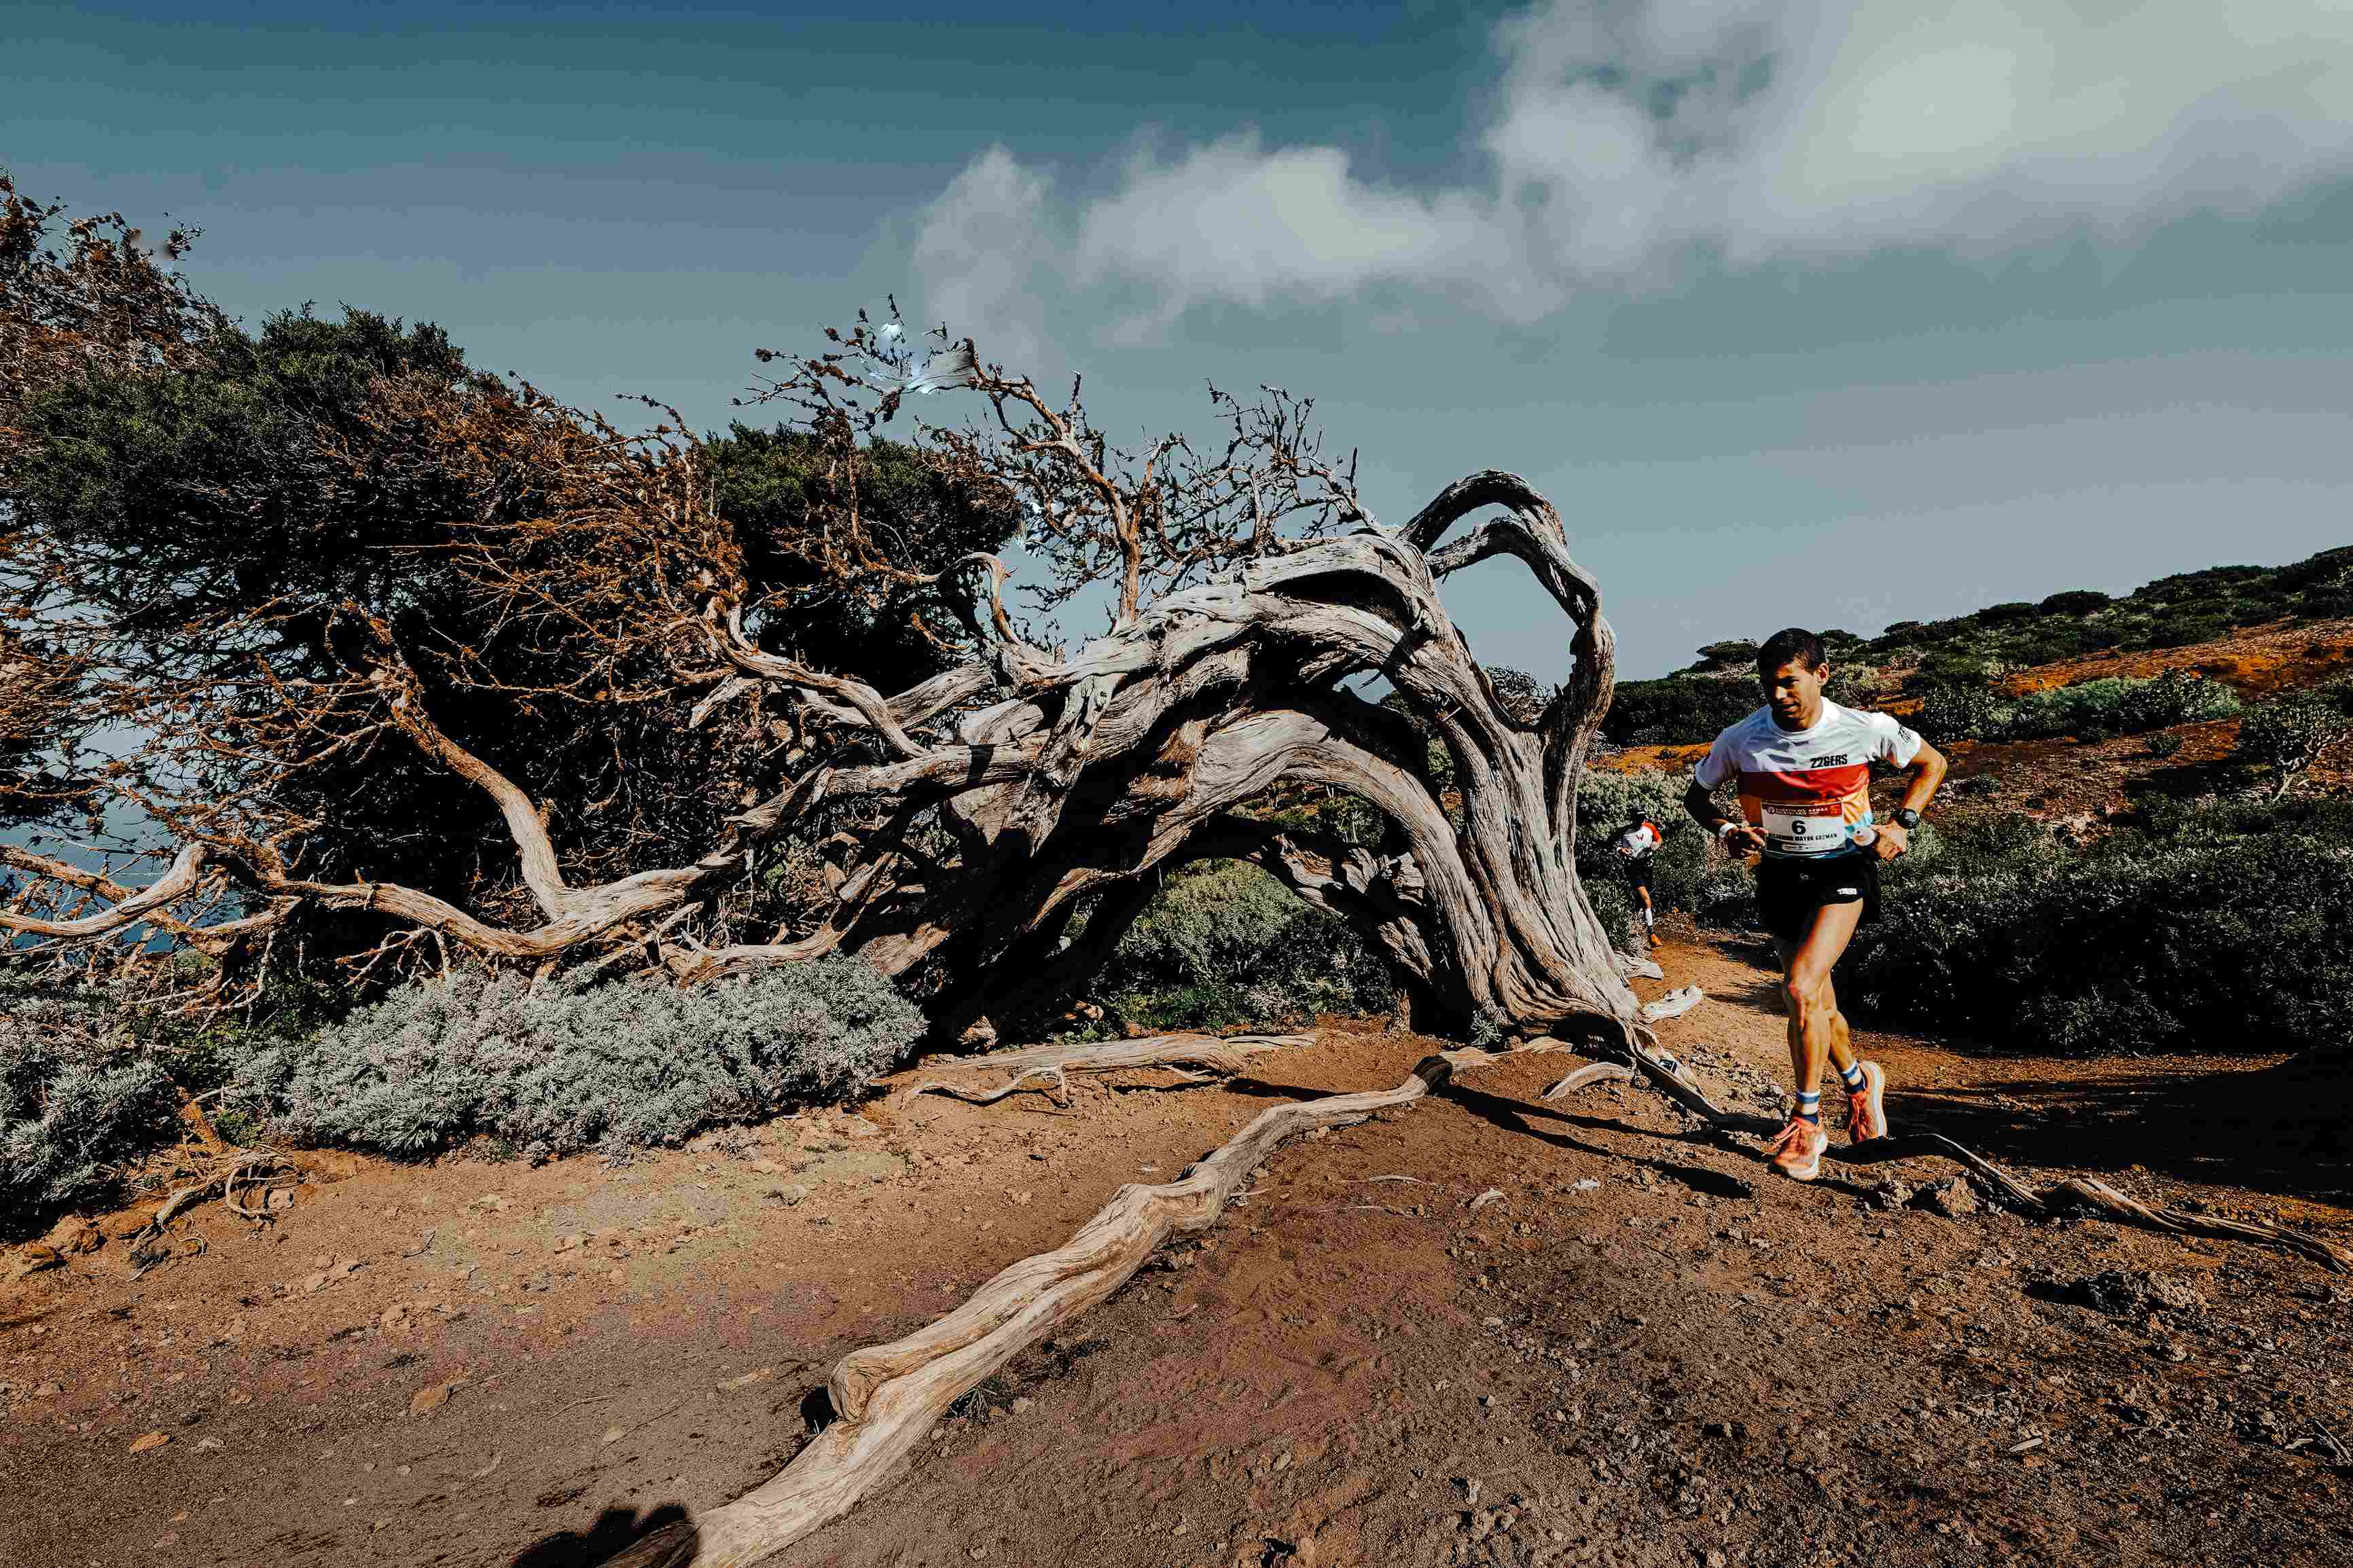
{"x":1485,"y":1329}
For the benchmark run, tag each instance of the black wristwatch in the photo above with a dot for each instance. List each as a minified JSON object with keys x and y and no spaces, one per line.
{"x":1907,"y":819}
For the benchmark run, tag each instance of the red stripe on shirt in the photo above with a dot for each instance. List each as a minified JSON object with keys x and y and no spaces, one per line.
{"x":1815,"y":783}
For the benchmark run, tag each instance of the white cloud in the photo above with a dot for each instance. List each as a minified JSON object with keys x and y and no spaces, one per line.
{"x":1232,"y":221}
{"x":985,"y":245}
{"x":1632,"y":136}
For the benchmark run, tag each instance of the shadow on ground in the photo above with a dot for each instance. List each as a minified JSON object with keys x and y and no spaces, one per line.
{"x":2274,"y":1129}
{"x":615,"y":1529}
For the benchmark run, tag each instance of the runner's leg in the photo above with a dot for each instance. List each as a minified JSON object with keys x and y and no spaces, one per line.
{"x":1807,"y":997}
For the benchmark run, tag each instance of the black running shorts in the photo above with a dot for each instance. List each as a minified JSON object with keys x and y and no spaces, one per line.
{"x":1789,"y":891}
{"x":1637,"y":872}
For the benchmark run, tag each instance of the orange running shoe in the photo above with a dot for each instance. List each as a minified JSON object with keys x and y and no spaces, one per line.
{"x":1866,"y":1114}
{"x":1798,"y":1152}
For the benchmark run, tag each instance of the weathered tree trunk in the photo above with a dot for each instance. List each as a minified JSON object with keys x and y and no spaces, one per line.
{"x":1146,"y":750}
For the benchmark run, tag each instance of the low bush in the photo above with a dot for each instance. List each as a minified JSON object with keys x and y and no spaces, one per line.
{"x":616,"y":1065}
{"x":2074,"y":602}
{"x":2213,"y":929}
{"x":1223,"y":944}
{"x":79,"y":1098}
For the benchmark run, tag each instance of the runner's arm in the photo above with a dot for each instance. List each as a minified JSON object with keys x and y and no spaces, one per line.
{"x":1699,"y":803}
{"x":1927,"y":775}
{"x":1924,"y":773}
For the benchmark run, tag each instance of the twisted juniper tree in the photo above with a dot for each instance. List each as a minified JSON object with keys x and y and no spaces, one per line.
{"x":952,"y":831}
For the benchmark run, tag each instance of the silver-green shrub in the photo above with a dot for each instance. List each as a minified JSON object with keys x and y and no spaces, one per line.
{"x":77,"y":1097}
{"x":439,"y":1062}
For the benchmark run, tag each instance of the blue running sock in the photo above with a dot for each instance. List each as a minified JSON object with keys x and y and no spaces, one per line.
{"x":1809,"y":1108}
{"x":1853,"y":1079}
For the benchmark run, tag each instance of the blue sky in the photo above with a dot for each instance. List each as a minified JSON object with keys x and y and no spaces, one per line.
{"x":1830,"y":313}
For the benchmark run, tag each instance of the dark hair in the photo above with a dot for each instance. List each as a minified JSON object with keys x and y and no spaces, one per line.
{"x":1790,"y":644}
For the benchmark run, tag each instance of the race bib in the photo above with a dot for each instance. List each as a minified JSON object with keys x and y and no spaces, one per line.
{"x":1812,"y":828}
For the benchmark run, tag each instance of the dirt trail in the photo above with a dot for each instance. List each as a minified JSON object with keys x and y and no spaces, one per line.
{"x":1645,"y":1349}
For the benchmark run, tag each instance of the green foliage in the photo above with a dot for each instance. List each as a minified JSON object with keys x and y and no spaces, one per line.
{"x":79,"y":1097}
{"x":2074,"y":602}
{"x":1223,"y":944}
{"x":2213,"y":928}
{"x":1679,"y":710}
{"x":617,"y":1065}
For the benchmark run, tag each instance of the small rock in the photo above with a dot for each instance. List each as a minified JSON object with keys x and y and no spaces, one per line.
{"x":1953,"y":1198}
{"x":1023,"y":1403}
{"x":1889,"y":1193}
{"x":425,"y":1401}
{"x":152,"y":1440}
{"x":749,"y":1378}
{"x":33,"y":1259}
{"x":612,"y":1436}
{"x":130,"y":1223}
{"x":48,"y":1391}
{"x":75,"y":1234}
{"x":282,"y":1197}
{"x":2128,"y":1292}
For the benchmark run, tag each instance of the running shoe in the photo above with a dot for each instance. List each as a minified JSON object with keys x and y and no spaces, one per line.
{"x":1866,"y":1112}
{"x":1655,"y":942}
{"x":1798,"y":1152}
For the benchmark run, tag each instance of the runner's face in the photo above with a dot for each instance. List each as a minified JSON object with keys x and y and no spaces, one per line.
{"x":1795,"y":694}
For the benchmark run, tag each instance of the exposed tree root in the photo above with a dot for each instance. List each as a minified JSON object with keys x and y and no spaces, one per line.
{"x":247,"y":1166}
{"x":1592,"y":1073}
{"x":1673,"y":1004}
{"x":1050,"y":1066}
{"x":2098,"y":1194}
{"x":886,"y":1397}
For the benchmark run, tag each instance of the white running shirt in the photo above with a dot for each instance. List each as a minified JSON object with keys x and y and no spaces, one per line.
{"x":1807,"y":789}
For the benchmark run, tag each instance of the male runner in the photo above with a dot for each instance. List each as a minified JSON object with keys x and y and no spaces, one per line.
{"x":1635,"y":846}
{"x":1804,"y":766}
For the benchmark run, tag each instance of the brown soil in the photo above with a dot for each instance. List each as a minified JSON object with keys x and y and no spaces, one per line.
{"x":1644,"y":1349}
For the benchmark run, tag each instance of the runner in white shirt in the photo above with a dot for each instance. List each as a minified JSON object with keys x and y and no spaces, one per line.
{"x":1804,"y":767}
{"x":1634,"y":847}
